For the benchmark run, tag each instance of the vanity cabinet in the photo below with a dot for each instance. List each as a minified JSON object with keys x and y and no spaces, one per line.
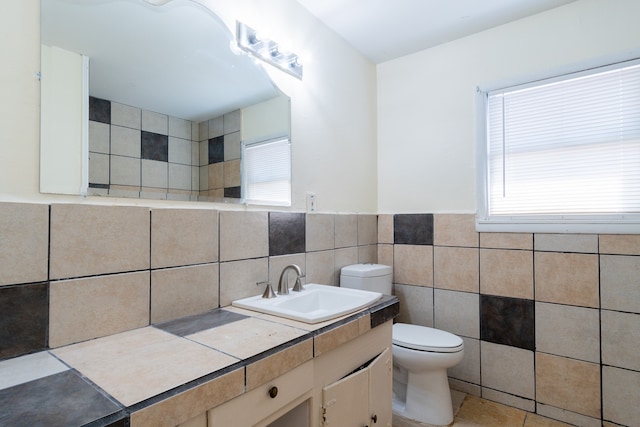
{"x":363,"y":397}
{"x":268,"y":402}
{"x":347,"y":383}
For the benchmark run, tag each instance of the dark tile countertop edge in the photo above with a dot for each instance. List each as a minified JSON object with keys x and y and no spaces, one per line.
{"x":381,"y":311}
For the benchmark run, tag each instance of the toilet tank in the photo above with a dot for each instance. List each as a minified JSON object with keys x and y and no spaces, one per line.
{"x":368,"y":277}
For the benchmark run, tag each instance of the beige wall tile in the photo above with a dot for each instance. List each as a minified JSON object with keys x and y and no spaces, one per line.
{"x":183,"y":291}
{"x":215,"y":175}
{"x":182,"y":407}
{"x":621,"y":339}
{"x":320,"y":232}
{"x":413,"y":265}
{"x":465,"y":387}
{"x":277,"y":364}
{"x":620,"y":391}
{"x":346,"y":230}
{"x":83,"y":309}
{"x":327,"y":341}
{"x":568,"y":384}
{"x":457,"y":312}
{"x":232,"y":173}
{"x":567,"y":278}
{"x":238,"y":279}
{"x":584,"y":243}
{"x":368,"y":254}
{"x":456,"y":268}
{"x":321,"y":268}
{"x":469,"y":369}
{"x":620,"y":283}
{"x":506,"y":273}
{"x":508,"y":369}
{"x":385,"y":229}
{"x":572,"y":418}
{"x":385,"y":254}
{"x":243,"y":235}
{"x":416,"y":304}
{"x":183,"y":237}
{"x":455,"y":230}
{"x":343,"y":258}
{"x":24,"y":243}
{"x":89,"y":240}
{"x":506,"y":240}
{"x":621,"y":244}
{"x":367,"y":229}
{"x":278,"y":263}
{"x":513,"y":402}
{"x":569,"y":331}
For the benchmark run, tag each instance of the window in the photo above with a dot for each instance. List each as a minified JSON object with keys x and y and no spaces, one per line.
{"x":267,"y":172}
{"x":562,"y":154}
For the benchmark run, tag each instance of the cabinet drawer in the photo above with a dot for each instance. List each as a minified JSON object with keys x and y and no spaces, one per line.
{"x":264,"y":401}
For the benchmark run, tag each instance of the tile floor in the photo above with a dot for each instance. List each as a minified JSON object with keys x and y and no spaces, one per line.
{"x":471,"y":411}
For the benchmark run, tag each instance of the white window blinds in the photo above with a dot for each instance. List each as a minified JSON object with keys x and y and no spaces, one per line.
{"x":267,"y":172}
{"x":565,"y":148}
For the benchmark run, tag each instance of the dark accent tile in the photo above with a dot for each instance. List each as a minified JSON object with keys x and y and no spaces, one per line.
{"x":508,"y":321}
{"x":154,"y":146}
{"x":200,"y":322}
{"x":216,"y":150}
{"x":413,"y":229}
{"x":287,"y":233}
{"x":24,"y":319}
{"x":99,"y":110}
{"x":105,"y":186}
{"x":62,"y":399}
{"x":233,"y":192}
{"x":390,"y":308}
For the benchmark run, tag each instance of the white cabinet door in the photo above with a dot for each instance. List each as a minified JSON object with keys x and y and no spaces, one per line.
{"x":380,"y":390}
{"x":362,"y":398}
{"x":346,"y":402}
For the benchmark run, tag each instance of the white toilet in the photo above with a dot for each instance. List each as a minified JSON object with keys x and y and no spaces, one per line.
{"x":421,"y":355}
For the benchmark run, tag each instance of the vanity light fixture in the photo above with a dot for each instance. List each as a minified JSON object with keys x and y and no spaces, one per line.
{"x":267,"y":50}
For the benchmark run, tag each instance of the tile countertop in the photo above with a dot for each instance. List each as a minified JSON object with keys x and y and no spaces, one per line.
{"x":169,"y":371}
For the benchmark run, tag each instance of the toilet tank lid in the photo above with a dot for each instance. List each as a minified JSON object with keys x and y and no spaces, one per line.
{"x":366,"y":270}
{"x":427,"y":339}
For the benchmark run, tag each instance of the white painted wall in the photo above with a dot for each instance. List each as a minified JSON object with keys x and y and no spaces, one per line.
{"x":266,"y":120}
{"x":61,"y":121}
{"x":19,"y":99}
{"x":333,"y":117}
{"x":426,"y":116}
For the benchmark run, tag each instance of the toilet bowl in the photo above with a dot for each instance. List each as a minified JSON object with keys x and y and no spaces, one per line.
{"x":421,"y":355}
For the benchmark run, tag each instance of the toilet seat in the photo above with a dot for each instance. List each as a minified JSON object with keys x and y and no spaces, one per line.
{"x":423,"y":338}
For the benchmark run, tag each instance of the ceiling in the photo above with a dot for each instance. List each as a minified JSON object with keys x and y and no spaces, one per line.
{"x":387,"y":29}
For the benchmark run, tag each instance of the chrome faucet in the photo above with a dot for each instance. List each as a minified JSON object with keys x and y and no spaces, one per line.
{"x":283,"y":284}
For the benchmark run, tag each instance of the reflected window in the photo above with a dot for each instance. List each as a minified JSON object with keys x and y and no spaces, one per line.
{"x":267,"y":172}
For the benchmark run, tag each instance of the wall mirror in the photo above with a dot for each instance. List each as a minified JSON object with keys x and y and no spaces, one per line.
{"x":153,"y":94}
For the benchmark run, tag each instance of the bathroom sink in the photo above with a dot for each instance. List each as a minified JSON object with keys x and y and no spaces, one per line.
{"x":316,"y":303}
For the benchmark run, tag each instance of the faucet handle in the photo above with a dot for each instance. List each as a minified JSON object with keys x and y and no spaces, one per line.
{"x":268,"y":291}
{"x":298,"y":287}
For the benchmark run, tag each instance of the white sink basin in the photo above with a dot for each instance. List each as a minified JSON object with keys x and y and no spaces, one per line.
{"x":316,"y":303}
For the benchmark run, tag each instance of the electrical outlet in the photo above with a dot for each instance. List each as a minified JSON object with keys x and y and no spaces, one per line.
{"x":311,"y":202}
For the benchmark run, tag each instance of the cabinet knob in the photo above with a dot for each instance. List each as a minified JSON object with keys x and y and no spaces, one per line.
{"x":374,"y":418}
{"x":273,"y":392}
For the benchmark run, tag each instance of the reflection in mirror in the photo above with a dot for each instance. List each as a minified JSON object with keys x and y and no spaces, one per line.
{"x":169,"y":102}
